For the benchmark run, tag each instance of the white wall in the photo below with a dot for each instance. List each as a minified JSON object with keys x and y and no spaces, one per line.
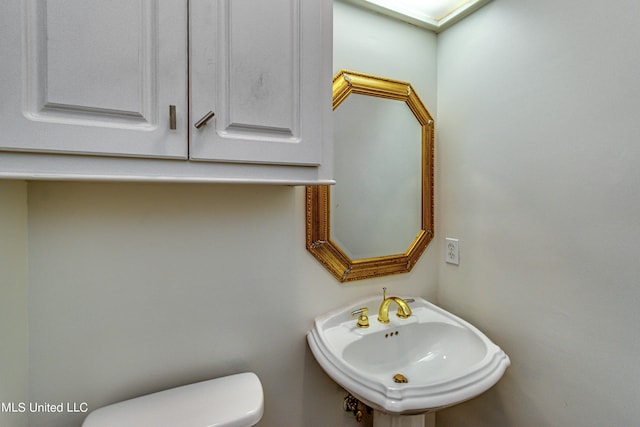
{"x":539,"y":177}
{"x":134,"y":288}
{"x":370,"y":43}
{"x":13,"y":300}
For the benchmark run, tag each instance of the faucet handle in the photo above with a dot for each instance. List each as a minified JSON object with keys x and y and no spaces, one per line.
{"x":363,"y":320}
{"x":384,"y":296}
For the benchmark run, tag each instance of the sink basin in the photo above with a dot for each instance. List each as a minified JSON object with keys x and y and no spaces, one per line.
{"x":444,"y":359}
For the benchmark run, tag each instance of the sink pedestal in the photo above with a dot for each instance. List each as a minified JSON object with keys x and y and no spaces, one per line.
{"x":382,"y":419}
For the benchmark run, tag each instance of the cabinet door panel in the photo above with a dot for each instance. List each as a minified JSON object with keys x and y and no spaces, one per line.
{"x":257,"y":65}
{"x":81,"y":72}
{"x":99,"y":77}
{"x":263,"y":63}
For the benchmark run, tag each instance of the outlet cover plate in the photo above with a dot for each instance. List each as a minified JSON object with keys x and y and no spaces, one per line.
{"x":452,"y":251}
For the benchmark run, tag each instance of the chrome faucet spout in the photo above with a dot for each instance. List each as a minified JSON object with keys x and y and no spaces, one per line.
{"x":404,"y":310}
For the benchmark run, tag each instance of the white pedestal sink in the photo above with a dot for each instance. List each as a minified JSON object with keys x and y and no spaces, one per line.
{"x":444,"y":360}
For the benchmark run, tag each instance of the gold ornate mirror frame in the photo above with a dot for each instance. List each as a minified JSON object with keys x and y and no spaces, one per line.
{"x":318,"y":226}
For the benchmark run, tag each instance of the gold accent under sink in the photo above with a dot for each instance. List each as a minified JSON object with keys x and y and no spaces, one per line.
{"x":400,"y":379}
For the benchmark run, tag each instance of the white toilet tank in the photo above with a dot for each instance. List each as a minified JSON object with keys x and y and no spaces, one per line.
{"x":233,"y":401}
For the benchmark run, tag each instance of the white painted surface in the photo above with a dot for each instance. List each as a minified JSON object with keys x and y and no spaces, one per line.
{"x":94,"y":54}
{"x":99,"y":168}
{"x":82,"y":82}
{"x":538,"y":175}
{"x":95,"y":80}
{"x":136,"y":288}
{"x":374,"y":44}
{"x":14,"y":366}
{"x":264,"y":69}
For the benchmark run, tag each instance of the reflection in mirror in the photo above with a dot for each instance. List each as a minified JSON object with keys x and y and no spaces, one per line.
{"x":375,"y":204}
{"x":378,"y":218}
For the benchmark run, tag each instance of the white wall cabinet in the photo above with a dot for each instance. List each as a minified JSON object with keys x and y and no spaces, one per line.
{"x":114,"y":89}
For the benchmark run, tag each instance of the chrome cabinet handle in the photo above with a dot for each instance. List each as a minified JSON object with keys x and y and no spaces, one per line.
{"x":203,"y":121}
{"x":172,"y":117}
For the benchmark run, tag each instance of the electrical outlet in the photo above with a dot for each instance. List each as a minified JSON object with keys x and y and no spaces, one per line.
{"x":452,"y":251}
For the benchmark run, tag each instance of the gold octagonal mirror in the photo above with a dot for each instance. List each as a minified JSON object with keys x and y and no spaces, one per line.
{"x":378,"y":218}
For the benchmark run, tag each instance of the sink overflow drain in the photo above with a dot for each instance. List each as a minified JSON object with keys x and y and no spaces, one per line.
{"x":399,"y":378}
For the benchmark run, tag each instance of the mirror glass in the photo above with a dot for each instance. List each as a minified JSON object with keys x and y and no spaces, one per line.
{"x":378,"y":218}
{"x":375,"y":204}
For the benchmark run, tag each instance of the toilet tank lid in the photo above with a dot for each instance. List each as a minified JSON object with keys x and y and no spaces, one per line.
{"x":232,"y":401}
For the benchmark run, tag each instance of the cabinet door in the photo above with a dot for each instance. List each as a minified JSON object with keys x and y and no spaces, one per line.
{"x":260,"y":66}
{"x":97,"y":77}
